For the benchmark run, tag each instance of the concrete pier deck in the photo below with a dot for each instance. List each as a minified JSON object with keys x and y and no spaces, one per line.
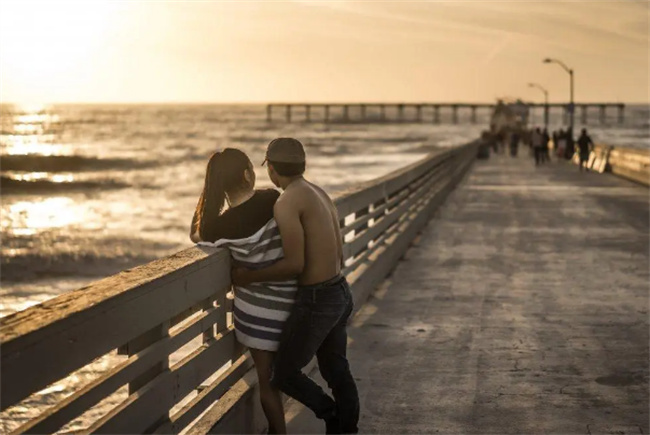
{"x":522,"y":308}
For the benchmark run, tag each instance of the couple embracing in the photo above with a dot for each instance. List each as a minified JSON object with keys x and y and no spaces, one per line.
{"x":291,"y":301}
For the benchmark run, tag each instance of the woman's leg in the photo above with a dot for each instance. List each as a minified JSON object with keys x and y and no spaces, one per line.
{"x":269,"y":396}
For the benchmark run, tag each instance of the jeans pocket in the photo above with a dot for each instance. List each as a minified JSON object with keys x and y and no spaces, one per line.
{"x":325,"y":317}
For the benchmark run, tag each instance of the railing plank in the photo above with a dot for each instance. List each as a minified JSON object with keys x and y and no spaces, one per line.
{"x":74,"y":405}
{"x":360,"y":243}
{"x":349,"y":201}
{"x":357,"y":224}
{"x":117,"y":308}
{"x":385,"y":257}
{"x":141,"y":410}
{"x":388,"y":230}
{"x":208,"y":395}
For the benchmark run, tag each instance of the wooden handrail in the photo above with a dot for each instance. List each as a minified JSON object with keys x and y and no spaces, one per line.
{"x":630,"y":163}
{"x":151,"y":311}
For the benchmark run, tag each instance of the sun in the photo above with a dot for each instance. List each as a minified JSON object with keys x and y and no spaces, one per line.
{"x":43,"y":42}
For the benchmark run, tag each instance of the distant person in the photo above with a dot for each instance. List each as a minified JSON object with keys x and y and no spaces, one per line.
{"x":312,"y":243}
{"x":570,"y":144}
{"x":585,"y":147}
{"x":246,"y":227}
{"x":514,"y":144}
{"x":501,"y":140}
{"x":560,"y":144}
{"x":545,"y":149}
{"x":536,"y":142}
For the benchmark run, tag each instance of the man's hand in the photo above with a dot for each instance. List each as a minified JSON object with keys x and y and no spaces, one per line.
{"x":240,"y":276}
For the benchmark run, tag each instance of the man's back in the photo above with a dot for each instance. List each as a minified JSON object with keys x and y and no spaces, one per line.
{"x":322,"y":236}
{"x":584,"y":143}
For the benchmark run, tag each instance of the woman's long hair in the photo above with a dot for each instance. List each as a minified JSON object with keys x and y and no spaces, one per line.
{"x":224,"y":175}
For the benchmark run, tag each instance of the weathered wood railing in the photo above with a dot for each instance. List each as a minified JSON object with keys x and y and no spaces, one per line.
{"x":630,"y":163}
{"x":184,"y":302}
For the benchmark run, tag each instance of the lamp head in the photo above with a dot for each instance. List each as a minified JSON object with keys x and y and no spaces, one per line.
{"x":547,"y":60}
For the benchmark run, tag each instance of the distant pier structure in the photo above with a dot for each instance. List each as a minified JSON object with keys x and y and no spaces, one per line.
{"x":414,"y":112}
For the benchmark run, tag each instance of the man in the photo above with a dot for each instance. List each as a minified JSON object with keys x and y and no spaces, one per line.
{"x":569,"y":149}
{"x":585,"y":146}
{"x":538,"y":146}
{"x":545,"y":150}
{"x":312,"y":244}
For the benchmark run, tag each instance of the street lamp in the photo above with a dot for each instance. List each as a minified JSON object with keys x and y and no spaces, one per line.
{"x":541,"y":88}
{"x":570,"y":71}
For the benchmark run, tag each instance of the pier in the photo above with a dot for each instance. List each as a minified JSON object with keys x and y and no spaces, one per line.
{"x":491,"y":296}
{"x":435,"y":113}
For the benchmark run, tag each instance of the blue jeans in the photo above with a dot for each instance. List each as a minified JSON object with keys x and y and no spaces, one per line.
{"x":317,"y":326}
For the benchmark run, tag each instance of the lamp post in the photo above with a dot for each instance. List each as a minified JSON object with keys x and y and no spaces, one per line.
{"x":541,"y":88}
{"x":570,"y":71}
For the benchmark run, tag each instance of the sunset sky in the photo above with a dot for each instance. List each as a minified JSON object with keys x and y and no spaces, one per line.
{"x":146,"y":51}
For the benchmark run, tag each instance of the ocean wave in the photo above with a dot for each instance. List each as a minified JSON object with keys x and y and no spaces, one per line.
{"x":10,"y":185}
{"x":63,"y":163}
{"x":36,"y":266}
{"x":94,"y":259}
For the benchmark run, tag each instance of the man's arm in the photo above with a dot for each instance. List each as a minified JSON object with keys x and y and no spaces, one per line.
{"x":287,"y":216}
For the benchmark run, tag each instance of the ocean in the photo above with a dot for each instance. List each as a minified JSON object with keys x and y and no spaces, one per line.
{"x":89,"y":190}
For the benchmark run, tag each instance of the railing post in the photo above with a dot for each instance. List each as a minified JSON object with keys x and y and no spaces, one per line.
{"x":136,"y":345}
{"x":209,"y":334}
{"x":377,"y":217}
{"x":360,"y":213}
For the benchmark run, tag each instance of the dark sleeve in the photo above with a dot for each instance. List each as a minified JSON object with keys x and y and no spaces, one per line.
{"x":217,"y":229}
{"x":270,"y":195}
{"x":243,"y":222}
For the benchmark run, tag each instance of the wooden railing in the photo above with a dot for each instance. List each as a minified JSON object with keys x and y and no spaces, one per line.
{"x":630,"y":163}
{"x":183,"y":302}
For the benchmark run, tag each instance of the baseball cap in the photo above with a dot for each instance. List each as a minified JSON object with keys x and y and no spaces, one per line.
{"x":285,"y":150}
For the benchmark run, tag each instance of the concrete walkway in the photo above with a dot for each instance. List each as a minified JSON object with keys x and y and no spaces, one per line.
{"x":522,"y":308}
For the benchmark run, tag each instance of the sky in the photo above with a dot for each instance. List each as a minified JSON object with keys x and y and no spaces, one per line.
{"x":336,"y":51}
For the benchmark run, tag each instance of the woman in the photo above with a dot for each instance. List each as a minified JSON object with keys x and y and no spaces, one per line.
{"x":248,"y":230}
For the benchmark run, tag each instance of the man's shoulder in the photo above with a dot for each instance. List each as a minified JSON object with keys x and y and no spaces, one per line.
{"x":288,"y":198}
{"x":301,"y":196}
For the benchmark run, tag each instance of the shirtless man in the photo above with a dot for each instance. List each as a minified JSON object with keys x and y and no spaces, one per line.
{"x":311,"y":239}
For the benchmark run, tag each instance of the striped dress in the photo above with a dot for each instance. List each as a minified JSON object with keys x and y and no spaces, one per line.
{"x":260,"y":309}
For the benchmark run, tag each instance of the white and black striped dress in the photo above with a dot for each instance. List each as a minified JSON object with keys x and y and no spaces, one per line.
{"x":260,"y":309}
